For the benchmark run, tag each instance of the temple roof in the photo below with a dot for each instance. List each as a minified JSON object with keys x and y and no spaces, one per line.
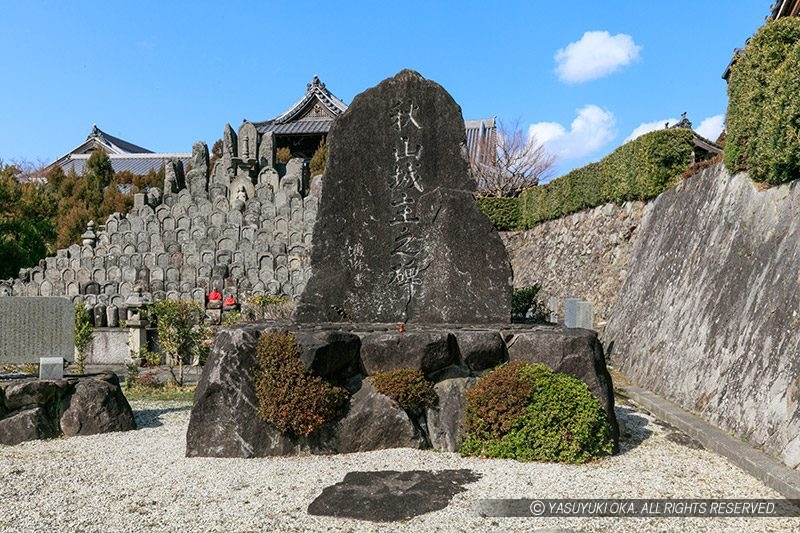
{"x":124,"y":155}
{"x":699,"y":141}
{"x":313,"y":113}
{"x":112,"y":145}
{"x":134,"y":163}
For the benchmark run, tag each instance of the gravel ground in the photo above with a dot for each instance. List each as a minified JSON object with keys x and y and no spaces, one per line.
{"x":141,"y":481}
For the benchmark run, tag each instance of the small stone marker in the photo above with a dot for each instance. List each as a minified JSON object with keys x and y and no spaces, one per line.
{"x":51,"y":368}
{"x":578,"y":314}
{"x":399,"y":236}
{"x":34,"y":327}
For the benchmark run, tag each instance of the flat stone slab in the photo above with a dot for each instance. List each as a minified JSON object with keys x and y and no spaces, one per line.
{"x":35,"y":327}
{"x":391,"y":496}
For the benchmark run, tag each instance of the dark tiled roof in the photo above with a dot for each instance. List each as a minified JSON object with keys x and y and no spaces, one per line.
{"x":134,"y":163}
{"x":294,"y":128}
{"x":121,"y":145}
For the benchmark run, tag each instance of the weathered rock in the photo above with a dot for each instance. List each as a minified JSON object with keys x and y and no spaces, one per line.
{"x":224,"y":420}
{"x":480,"y":350}
{"x":576,"y":352}
{"x":329,"y":353}
{"x":197,"y":178}
{"x":399,"y":236}
{"x":423,"y":350}
{"x":446,"y":420}
{"x":375,"y":422}
{"x":29,"y":424}
{"x":96,"y":406}
{"x":33,"y":392}
{"x":391,"y":496}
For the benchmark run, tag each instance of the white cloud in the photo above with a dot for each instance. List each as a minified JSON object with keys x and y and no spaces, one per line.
{"x":647,"y":127}
{"x":595,"y":55}
{"x":711,"y":127}
{"x":592,"y":129}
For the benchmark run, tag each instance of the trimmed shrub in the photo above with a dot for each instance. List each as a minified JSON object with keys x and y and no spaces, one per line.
{"x":83,"y":336}
{"x":638,"y":170}
{"x":289,"y":396}
{"x":763,"y":119}
{"x":407,"y":387}
{"x":527,"y":412}
{"x":503,"y":212}
{"x":527,"y":299}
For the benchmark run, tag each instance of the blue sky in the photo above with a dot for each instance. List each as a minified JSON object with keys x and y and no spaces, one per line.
{"x":582,"y":75}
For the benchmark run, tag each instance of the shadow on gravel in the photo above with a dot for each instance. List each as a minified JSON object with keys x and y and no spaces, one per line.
{"x":391,"y":496}
{"x":151,"y":418}
{"x":677,"y":436}
{"x":633,"y":428}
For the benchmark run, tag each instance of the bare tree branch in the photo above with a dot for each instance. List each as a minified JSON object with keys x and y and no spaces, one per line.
{"x":509,"y":162}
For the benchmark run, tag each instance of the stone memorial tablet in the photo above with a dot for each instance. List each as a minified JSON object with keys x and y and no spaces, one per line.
{"x":35,"y":327}
{"x":399,"y":236}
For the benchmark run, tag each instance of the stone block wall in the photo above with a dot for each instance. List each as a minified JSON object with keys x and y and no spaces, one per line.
{"x":585,"y":255}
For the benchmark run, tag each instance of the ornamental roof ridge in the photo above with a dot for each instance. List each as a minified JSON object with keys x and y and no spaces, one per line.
{"x":117,"y":144}
{"x":315,"y":90}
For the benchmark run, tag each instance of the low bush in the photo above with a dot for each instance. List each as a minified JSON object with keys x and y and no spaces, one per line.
{"x":525,"y":300}
{"x":267,"y":307}
{"x":182,"y":334}
{"x":289,"y":396}
{"x":407,"y":387}
{"x":527,"y":412}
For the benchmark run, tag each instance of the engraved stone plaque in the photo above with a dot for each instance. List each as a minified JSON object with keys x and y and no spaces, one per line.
{"x":36,"y":327}
{"x":399,"y":236}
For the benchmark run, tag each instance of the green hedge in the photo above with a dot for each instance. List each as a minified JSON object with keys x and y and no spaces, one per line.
{"x":763,"y":120}
{"x":638,"y":170}
{"x":503,"y":212}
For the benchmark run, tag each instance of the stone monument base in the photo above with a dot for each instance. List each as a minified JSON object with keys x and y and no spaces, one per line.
{"x":224,"y":421}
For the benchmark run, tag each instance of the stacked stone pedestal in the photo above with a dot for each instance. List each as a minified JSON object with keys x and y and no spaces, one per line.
{"x":224,"y":420}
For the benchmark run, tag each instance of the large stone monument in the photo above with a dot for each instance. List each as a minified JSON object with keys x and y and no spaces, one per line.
{"x":406,"y":272}
{"x":399,"y":237}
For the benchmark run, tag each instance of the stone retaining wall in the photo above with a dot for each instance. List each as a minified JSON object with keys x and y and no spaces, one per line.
{"x":710,"y":313}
